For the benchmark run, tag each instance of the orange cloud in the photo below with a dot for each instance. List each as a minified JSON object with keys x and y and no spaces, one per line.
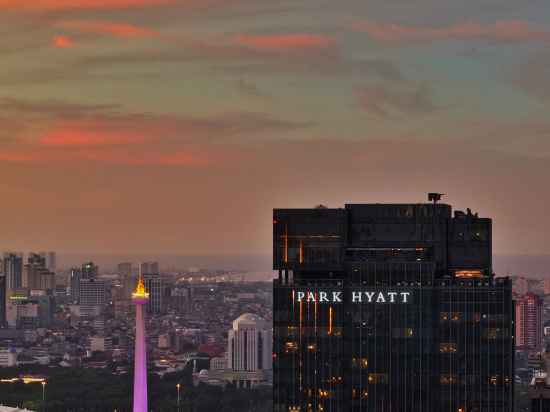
{"x":282,"y":42}
{"x":62,"y":42}
{"x":109,"y":28}
{"x":86,"y":135}
{"x":508,"y":30}
{"x":48,"y":5}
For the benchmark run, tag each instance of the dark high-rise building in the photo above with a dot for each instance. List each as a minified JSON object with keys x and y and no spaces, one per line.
{"x":153,"y":286}
{"x":127,"y":282}
{"x":13,"y":269}
{"x":148,"y":268}
{"x":92,"y":292}
{"x":389,"y":307}
{"x":2,"y":297}
{"x":74,"y":284}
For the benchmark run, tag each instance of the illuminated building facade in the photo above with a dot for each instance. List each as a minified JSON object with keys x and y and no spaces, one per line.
{"x":529,"y":322}
{"x":389,"y":308}
{"x":140,"y":298}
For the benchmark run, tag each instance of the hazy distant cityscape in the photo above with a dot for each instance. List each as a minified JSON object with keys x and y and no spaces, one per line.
{"x":69,"y":319}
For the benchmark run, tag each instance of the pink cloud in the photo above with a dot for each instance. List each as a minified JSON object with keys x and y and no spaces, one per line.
{"x":109,"y":28}
{"x":63,"y":42}
{"x":282,"y":42}
{"x":505,"y":30}
{"x":74,"y":135}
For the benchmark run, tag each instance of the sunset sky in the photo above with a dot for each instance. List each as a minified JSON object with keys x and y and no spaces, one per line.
{"x":178,"y":125}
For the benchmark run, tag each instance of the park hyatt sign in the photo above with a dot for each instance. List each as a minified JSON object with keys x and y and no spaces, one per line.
{"x":354,"y":296}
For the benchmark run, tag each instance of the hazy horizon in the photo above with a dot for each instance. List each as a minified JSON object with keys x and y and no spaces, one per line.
{"x":537,"y":266}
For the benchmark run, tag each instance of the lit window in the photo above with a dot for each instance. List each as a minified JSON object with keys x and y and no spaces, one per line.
{"x":469,"y":273}
{"x":374,"y":378}
{"x":448,"y":379}
{"x":449,"y":347}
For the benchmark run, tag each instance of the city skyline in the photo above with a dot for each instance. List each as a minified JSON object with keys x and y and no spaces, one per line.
{"x":140,"y":125}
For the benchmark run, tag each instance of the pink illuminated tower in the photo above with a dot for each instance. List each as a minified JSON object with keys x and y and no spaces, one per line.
{"x":140,"y":298}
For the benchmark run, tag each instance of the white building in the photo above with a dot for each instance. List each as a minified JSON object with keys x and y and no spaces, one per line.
{"x":101,"y":344}
{"x":249,"y":357}
{"x":8,"y":358}
{"x":219,"y":363}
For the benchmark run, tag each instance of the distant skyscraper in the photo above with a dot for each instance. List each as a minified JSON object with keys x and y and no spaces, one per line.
{"x":389,"y":307}
{"x":148,"y":268}
{"x":13,"y":268}
{"x":153,"y":286}
{"x":140,"y":298}
{"x":546,"y":286}
{"x":3,"y":303}
{"x":125,"y":276}
{"x":529,"y":322}
{"x":249,"y":349}
{"x":92,"y":292}
{"x":89,"y":270}
{"x":36,"y":275}
{"x":74,"y":284}
{"x":51,"y":260}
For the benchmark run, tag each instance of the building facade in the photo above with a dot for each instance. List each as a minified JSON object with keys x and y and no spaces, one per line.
{"x":389,"y":308}
{"x":148,"y":268}
{"x":36,"y":275}
{"x":249,"y":344}
{"x":529,"y":322}
{"x":126,"y":280}
{"x":92,"y":292}
{"x":3,"y":297}
{"x":13,"y":269}
{"x":153,"y":286}
{"x":249,"y":352}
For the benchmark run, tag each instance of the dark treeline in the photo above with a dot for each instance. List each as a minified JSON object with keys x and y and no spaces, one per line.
{"x":98,"y":390}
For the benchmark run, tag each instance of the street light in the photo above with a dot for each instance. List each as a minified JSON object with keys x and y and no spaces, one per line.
{"x":43,"y":394}
{"x":178,"y":387}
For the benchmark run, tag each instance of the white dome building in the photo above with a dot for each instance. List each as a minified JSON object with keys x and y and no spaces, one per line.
{"x":250,"y":345}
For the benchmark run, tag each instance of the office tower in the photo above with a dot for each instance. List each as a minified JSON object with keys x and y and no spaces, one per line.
{"x":153,"y":286}
{"x":74,"y":284}
{"x":36,"y":275}
{"x":389,"y":307}
{"x":51,"y":260}
{"x":140,"y":298}
{"x":92,"y":292}
{"x":13,"y":268}
{"x":125,"y":276}
{"x":529,"y":322}
{"x":249,"y":349}
{"x":89,"y":270}
{"x":148,"y":268}
{"x":3,"y":303}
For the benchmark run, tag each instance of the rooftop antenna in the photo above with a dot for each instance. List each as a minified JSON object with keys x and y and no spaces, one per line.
{"x":435,"y":197}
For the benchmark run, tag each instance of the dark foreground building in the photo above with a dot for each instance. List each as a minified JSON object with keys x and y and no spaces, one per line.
{"x":389,"y":307}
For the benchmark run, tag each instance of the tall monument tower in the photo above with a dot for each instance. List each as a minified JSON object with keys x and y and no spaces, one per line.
{"x":140,"y":298}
